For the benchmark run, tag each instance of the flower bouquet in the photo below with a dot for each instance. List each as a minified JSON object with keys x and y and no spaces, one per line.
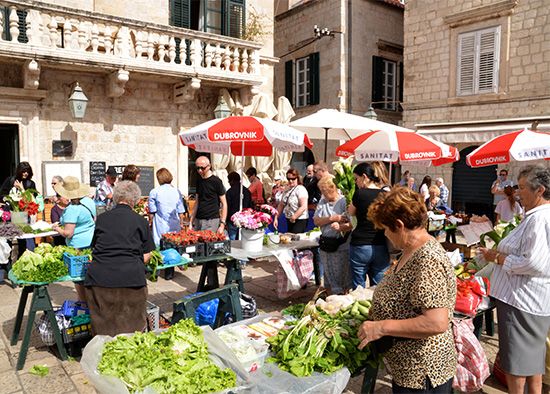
{"x":344,"y":180}
{"x":23,"y":202}
{"x":142,"y":207}
{"x":251,"y":219}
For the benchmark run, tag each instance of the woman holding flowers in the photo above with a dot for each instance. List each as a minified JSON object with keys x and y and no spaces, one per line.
{"x":293,"y":204}
{"x":22,"y":180}
{"x":330,"y":216}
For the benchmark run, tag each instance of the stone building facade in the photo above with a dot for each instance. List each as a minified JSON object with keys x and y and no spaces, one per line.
{"x":338,"y":64}
{"x":145,"y":77}
{"x":473,"y":70}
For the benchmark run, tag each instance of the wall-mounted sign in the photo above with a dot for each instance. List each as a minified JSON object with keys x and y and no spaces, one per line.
{"x":62,"y":148}
{"x":97,"y":172}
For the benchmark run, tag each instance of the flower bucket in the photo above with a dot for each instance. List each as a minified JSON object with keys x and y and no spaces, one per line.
{"x":19,"y":217}
{"x":252,"y":240}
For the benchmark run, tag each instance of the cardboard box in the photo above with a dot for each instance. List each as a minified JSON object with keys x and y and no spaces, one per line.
{"x":468,"y":251}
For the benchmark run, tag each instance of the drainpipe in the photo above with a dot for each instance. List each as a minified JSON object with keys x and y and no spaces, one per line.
{"x":350,"y":41}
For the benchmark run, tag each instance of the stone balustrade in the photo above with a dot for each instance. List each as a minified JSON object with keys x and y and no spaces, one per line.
{"x":47,"y":32}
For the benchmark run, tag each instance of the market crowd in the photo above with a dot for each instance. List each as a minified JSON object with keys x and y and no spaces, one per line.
{"x":378,"y":238}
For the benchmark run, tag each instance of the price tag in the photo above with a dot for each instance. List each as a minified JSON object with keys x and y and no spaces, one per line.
{"x":190,"y":249}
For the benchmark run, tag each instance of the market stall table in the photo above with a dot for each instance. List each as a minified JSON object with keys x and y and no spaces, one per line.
{"x":239,"y":253}
{"x":41,"y":301}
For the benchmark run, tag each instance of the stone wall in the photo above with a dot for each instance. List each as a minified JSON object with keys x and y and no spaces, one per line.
{"x":156,"y":11}
{"x":430,"y":61}
{"x":524,"y":85}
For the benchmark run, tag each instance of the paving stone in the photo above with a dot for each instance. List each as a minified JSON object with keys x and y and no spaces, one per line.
{"x":71,"y":367}
{"x":9,"y":382}
{"x":5,"y":364}
{"x":83,"y":385}
{"x":55,"y":382}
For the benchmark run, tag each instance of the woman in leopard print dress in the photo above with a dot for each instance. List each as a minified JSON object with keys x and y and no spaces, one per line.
{"x":415,"y":301}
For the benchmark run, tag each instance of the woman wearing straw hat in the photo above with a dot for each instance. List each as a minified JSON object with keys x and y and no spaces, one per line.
{"x":78,"y":219}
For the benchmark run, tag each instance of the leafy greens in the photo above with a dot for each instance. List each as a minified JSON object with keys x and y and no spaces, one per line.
{"x":175,"y":361}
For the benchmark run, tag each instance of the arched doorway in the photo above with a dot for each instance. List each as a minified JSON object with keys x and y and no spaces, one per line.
{"x":471,"y":191}
{"x":300,"y":160}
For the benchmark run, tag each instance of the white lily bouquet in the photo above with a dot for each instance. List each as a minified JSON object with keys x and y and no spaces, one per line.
{"x":343,"y":179}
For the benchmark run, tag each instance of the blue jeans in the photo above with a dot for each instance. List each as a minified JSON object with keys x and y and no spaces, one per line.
{"x":233,"y":231}
{"x":371,"y":260}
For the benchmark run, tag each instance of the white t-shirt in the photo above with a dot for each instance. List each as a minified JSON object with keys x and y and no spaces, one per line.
{"x":506,"y":213}
{"x":424,"y":192}
{"x":291,"y":201}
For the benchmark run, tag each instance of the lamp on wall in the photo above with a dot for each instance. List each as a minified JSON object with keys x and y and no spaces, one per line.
{"x":78,"y":102}
{"x":222,"y":110}
{"x":370,"y":114}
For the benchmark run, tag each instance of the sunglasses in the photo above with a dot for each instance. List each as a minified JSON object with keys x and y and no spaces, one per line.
{"x":199,"y":168}
{"x":54,"y":183}
{"x":291,"y":179}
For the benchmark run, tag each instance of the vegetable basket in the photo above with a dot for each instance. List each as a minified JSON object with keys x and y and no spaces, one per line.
{"x":218,"y":248}
{"x":77,"y":265}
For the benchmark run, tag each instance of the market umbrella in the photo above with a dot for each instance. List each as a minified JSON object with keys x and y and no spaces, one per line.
{"x":393,"y":146}
{"x":335,"y":125}
{"x":245,"y":136}
{"x":522,"y":145}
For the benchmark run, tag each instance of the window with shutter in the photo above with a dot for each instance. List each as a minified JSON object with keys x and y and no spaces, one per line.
{"x":384,"y":84}
{"x":180,"y":13}
{"x":477,"y":64}
{"x":314,"y":79}
{"x":289,"y":80}
{"x":6,"y":35}
{"x":302,"y":81}
{"x":235,"y":17}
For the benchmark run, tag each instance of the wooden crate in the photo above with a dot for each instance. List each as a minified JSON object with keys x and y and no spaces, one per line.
{"x":46,"y":213}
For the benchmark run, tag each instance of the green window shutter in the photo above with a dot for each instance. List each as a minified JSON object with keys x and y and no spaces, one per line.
{"x":22,"y":14}
{"x":180,"y":13}
{"x":235,"y":17}
{"x":289,"y":77}
{"x":314,"y":92}
{"x":377,"y":81}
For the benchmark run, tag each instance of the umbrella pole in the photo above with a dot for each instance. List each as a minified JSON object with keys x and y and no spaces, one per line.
{"x":326,"y":143}
{"x":391,"y":177}
{"x":241,"y":189}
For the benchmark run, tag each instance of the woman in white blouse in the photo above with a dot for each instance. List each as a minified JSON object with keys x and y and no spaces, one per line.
{"x":521,"y":285}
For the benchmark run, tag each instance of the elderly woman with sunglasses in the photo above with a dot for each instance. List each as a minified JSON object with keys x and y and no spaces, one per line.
{"x":520,"y":283}
{"x":293,"y":204}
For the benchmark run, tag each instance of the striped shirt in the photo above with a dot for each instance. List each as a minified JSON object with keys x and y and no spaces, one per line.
{"x":523,"y":281}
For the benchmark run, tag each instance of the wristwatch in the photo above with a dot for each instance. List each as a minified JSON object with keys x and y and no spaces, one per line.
{"x":222,"y":222}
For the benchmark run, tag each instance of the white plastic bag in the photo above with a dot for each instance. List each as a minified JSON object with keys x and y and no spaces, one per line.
{"x":285,"y":258}
{"x":5,"y":251}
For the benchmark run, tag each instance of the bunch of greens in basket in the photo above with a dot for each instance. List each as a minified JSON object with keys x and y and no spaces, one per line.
{"x":343,"y":179}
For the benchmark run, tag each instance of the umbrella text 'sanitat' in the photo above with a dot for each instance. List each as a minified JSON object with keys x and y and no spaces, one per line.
{"x":533,"y":154}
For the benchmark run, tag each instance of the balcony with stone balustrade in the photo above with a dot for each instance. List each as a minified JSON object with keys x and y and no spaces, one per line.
{"x":41,"y":34}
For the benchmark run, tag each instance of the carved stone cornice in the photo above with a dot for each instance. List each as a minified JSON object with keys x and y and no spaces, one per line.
{"x":31,"y":74}
{"x":498,"y":9}
{"x":116,"y":81}
{"x":185,"y":91}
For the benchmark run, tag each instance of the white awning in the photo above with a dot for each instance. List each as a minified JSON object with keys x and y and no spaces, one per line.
{"x":481,"y":131}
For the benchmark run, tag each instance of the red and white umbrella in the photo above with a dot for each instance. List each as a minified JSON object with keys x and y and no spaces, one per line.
{"x":244,"y":136}
{"x":522,"y":145}
{"x":403,"y":146}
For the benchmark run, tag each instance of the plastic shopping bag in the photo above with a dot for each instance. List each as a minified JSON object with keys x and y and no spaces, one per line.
{"x":472,"y":367}
{"x":294,"y":272}
{"x":470,"y":294}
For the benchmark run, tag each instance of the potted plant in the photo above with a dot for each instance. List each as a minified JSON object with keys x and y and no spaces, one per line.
{"x":252,"y":224}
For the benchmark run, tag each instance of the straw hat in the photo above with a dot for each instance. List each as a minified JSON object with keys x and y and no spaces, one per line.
{"x":72,"y":188}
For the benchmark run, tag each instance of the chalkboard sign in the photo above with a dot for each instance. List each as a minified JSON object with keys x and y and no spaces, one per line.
{"x":97,"y":172}
{"x":118,"y":169}
{"x":62,"y":148}
{"x":146,"y":180}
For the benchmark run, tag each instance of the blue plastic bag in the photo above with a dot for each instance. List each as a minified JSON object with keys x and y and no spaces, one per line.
{"x":205,"y":314}
{"x":170,"y":257}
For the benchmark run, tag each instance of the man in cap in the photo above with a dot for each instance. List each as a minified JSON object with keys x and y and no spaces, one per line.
{"x":104,"y":190}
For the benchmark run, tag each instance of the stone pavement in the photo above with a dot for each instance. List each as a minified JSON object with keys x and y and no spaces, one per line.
{"x":67,"y":376}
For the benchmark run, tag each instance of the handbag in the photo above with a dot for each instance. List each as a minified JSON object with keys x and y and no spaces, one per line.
{"x":331,"y":244}
{"x":294,"y":271}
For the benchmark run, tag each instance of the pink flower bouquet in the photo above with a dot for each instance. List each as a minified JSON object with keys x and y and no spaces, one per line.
{"x":252,"y":220}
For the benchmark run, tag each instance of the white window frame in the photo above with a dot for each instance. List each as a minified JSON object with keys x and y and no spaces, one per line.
{"x":390,"y":89}
{"x":470,"y":65}
{"x":301,"y":68}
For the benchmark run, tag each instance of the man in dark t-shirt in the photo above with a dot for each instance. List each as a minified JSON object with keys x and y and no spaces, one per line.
{"x":210,"y":200}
